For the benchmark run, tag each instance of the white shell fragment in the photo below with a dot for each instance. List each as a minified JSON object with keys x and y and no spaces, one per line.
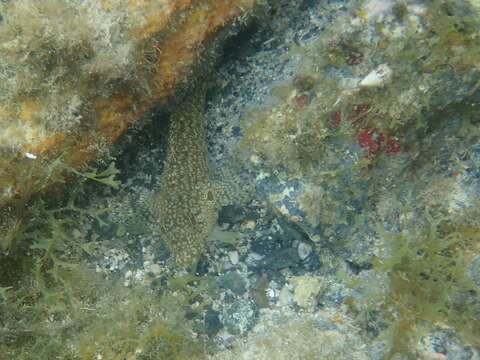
{"x":378,"y":77}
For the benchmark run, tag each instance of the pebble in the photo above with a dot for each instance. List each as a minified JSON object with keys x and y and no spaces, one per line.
{"x":378,"y":77}
{"x":306,"y":290}
{"x":304,"y":250}
{"x":233,"y":257}
{"x":212,"y":322}
{"x":234,"y":282}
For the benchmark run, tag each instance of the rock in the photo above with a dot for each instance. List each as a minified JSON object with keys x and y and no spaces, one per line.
{"x":84,"y":102}
{"x":212,"y":322}
{"x":234,"y":282}
{"x":306,"y":289}
{"x":304,"y":250}
{"x":239,"y":316}
{"x":346,"y":133}
{"x":231,"y":214}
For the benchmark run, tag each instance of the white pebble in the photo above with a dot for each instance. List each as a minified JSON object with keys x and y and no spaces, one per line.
{"x":304,"y":250}
{"x":233,"y":257}
{"x":285,"y":297}
{"x":378,"y":77}
{"x":156,"y":269}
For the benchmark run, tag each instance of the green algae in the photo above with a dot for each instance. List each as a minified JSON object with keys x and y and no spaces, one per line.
{"x":429,"y":281}
{"x":424,"y":260}
{"x":55,"y":304}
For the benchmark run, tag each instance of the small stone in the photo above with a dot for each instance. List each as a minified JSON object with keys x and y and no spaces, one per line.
{"x":212,"y":322}
{"x":249,"y":225}
{"x":378,"y":77}
{"x":306,"y":290}
{"x":233,"y":257}
{"x":304,"y":250}
{"x":285,"y":298}
{"x":233,"y":281}
{"x":156,"y":269}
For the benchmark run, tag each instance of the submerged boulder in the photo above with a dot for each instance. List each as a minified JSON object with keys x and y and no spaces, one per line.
{"x":77,"y":74}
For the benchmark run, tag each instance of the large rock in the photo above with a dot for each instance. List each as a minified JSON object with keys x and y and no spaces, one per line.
{"x":76,"y":75}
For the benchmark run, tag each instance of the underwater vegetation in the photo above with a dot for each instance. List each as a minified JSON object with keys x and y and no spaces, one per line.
{"x":427,"y":238}
{"x":377,"y":127}
{"x":54,"y":303}
{"x":428,"y":286}
{"x":429,"y":281}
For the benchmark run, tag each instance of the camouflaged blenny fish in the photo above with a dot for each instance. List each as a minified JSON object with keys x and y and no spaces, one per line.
{"x":186,"y":205}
